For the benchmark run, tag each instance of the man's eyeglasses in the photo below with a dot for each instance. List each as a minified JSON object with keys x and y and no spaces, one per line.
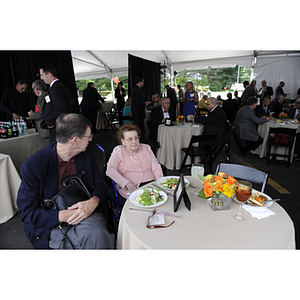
{"x":89,"y":136}
{"x":130,"y":140}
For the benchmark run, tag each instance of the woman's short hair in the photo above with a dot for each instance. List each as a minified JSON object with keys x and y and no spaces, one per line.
{"x":128,"y":102}
{"x":40,"y":85}
{"x":69,"y":125}
{"x":127,"y":127}
{"x":251,"y":100}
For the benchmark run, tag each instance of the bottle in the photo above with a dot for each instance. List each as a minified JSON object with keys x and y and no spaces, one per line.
{"x":15,"y":131}
{"x":4,"y":130}
{"x":1,"y":130}
{"x":9,"y":130}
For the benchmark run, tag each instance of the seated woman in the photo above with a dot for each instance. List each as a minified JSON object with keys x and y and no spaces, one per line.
{"x":132,"y":164}
{"x":127,"y":114}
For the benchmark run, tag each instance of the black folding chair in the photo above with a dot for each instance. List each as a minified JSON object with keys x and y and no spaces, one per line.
{"x":283,"y":137}
{"x":203,"y":150}
{"x":240,"y":172}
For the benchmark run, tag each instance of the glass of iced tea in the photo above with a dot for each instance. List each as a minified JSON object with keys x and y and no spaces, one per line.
{"x":243,"y":192}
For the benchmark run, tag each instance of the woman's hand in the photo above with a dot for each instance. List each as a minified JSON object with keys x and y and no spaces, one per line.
{"x":131,"y":187}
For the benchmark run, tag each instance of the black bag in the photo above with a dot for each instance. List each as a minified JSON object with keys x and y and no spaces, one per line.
{"x":74,"y":191}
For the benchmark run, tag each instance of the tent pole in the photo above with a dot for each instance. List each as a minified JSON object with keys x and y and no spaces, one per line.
{"x":112,"y":87}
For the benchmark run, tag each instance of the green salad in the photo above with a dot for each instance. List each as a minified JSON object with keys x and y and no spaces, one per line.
{"x":171,"y":183}
{"x":148,"y":197}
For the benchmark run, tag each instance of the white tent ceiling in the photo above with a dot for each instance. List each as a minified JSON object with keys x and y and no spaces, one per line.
{"x":100,"y":63}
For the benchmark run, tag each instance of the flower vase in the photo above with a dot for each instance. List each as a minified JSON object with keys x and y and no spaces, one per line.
{"x":219,"y":202}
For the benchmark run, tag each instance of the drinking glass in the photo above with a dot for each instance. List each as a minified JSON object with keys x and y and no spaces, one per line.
{"x":243,"y":192}
{"x":197,"y":169}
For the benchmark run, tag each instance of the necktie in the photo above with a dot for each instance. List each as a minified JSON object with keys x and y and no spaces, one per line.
{"x":165,"y":111}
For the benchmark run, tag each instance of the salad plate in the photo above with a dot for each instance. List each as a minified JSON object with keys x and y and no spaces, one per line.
{"x":169,"y":182}
{"x":256,"y":193}
{"x":133,"y":198}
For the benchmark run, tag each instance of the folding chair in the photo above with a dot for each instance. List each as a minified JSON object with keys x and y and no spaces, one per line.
{"x":283,"y":137}
{"x":112,"y":191}
{"x":205,"y":153}
{"x":240,"y":172}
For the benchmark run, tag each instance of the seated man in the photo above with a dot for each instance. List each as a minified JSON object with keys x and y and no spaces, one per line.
{"x":42,"y":175}
{"x":294,"y":113}
{"x":277,"y":105}
{"x":159,"y":115}
{"x":215,"y":121}
{"x":246,"y":122}
{"x":155,"y":102}
{"x":264,"y":108}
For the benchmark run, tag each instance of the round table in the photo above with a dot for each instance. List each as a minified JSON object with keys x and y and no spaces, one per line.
{"x":171,"y":140}
{"x":263,"y":131}
{"x":10,"y":182}
{"x":203,"y":228}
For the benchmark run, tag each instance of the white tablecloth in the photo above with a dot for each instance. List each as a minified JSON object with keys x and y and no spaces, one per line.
{"x":10,"y":182}
{"x":263,"y":131}
{"x":22,"y":147}
{"x":100,"y":124}
{"x":172,"y":139}
{"x":203,"y":228}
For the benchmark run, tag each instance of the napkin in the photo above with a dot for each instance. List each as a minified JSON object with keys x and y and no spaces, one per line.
{"x":258,"y":212}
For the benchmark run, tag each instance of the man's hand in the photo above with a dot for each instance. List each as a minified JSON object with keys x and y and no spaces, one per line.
{"x":79,"y":211}
{"x":16,"y":116}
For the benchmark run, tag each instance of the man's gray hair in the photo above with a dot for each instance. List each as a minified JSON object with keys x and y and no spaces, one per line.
{"x":281,"y":96}
{"x":70,"y":125}
{"x":40,"y":85}
{"x":162,"y":100}
{"x":214,"y":100}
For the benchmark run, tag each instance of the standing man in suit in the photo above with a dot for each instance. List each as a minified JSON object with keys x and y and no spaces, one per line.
{"x":230,"y":107}
{"x":265,"y":90}
{"x":138,"y":104}
{"x":215,"y":121}
{"x":264,"y":109}
{"x":279,"y":90}
{"x":159,"y":115}
{"x":246,"y":122}
{"x":42,"y":176}
{"x":171,"y":94}
{"x":57,"y":102}
{"x":249,"y":91}
{"x":90,"y":104}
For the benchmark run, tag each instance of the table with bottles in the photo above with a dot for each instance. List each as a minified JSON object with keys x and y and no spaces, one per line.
{"x":19,"y":142}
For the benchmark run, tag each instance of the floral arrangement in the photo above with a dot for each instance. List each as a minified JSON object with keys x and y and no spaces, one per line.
{"x":282,"y":115}
{"x":180,"y":119}
{"x":217,"y":184}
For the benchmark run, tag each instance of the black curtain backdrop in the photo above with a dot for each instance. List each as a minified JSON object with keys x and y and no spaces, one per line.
{"x":147,"y":69}
{"x":25,"y":65}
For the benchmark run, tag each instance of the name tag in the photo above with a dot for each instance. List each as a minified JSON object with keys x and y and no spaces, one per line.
{"x":47,"y":98}
{"x":192,"y":95}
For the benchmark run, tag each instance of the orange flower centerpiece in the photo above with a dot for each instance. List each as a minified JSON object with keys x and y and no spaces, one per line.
{"x":282,"y":116}
{"x":180,"y":119}
{"x":218,"y":189}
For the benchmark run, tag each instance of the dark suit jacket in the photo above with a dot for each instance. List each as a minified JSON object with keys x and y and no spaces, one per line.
{"x":268,"y":92}
{"x":137,"y":104}
{"x":279,"y":91}
{"x":171,"y":94}
{"x":276,"y":106}
{"x":230,"y":107}
{"x":91,"y":98}
{"x":156,"y":119}
{"x":60,"y":102}
{"x":291,"y":113}
{"x":260,"y":111}
{"x":248,"y":92}
{"x":214,"y":123}
{"x":40,"y":181}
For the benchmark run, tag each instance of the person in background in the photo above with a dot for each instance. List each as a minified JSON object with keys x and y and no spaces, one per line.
{"x":58,"y":100}
{"x":120,"y":94}
{"x":42,"y":175}
{"x":138,"y":103}
{"x":15,"y":102}
{"x":215,"y":122}
{"x":155,"y":102}
{"x":159,"y":115}
{"x":265,"y":91}
{"x":237,"y":98}
{"x":249,"y":91}
{"x":40,"y":89}
{"x":132,"y":164}
{"x":202,"y":106}
{"x":246,"y":122}
{"x":90,"y":104}
{"x":279,"y":90}
{"x":230,"y":107}
{"x":276,"y":105}
{"x":171,"y":94}
{"x":190,"y":99}
{"x":294,"y":113}
{"x":180,"y":99}
{"x":127,"y":114}
{"x":263,"y":109}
